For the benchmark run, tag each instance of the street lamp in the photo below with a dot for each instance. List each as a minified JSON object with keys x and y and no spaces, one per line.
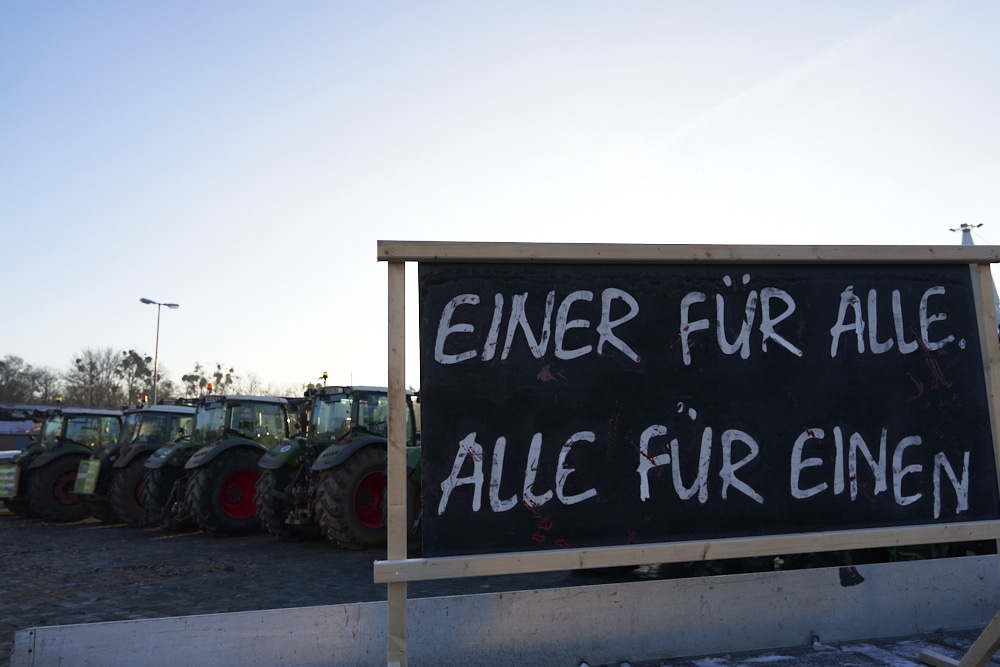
{"x":156,"y":356}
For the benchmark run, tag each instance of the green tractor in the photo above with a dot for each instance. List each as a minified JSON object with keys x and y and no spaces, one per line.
{"x":332,"y":479}
{"x":111,"y":480}
{"x":39,"y":481}
{"x":207,"y":481}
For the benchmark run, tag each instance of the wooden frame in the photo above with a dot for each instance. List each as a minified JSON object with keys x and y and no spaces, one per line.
{"x":978,"y":654}
{"x":396,"y":570}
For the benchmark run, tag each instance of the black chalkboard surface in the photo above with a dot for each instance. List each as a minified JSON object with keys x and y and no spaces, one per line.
{"x":578,"y":405}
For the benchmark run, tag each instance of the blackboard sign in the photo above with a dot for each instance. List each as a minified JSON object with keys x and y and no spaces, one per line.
{"x":578,"y":405}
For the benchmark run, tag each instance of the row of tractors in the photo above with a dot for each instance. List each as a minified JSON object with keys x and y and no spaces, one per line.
{"x":228,"y":465}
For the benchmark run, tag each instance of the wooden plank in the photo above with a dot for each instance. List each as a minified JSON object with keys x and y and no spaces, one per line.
{"x":422,"y":569}
{"x":937,"y":660}
{"x":397,"y":411}
{"x":426,"y":251}
{"x":396,"y":629}
{"x":396,"y":462}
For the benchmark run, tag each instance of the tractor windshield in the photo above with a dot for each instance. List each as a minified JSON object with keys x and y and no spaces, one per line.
{"x":372,"y":413}
{"x":51,"y":430}
{"x":87,"y":430}
{"x":208,"y":423}
{"x":153,"y":427}
{"x":336,"y":414}
{"x":331,"y":417}
{"x":265,"y":423}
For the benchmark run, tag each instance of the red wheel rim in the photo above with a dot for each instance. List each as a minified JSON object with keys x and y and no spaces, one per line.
{"x":63,"y":491}
{"x":368,"y":500}
{"x":236,"y":495}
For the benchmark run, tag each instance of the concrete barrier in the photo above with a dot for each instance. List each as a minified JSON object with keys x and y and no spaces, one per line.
{"x":599,"y":624}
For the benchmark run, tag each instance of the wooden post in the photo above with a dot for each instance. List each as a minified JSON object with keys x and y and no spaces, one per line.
{"x":396,"y":515}
{"x":982,"y":281}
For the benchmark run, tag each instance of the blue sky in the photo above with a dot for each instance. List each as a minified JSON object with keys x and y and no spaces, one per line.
{"x":243,"y":158}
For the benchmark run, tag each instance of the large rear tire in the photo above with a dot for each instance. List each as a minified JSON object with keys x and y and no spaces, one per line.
{"x":20,"y":506}
{"x":351,"y":498}
{"x":126,"y":491}
{"x":50,"y":491}
{"x":273,"y":506}
{"x":161,"y":489}
{"x":221,"y":493}
{"x":101,"y":510}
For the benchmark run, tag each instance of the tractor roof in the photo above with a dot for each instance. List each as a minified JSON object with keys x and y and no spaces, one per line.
{"x":93,"y":412}
{"x":174,"y":409}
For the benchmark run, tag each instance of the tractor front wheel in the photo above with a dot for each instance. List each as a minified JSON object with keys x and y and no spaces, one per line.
{"x":51,"y":491}
{"x":222,"y":493}
{"x":163,"y":499}
{"x":351,"y":498}
{"x":126,"y":491}
{"x":274,"y":506}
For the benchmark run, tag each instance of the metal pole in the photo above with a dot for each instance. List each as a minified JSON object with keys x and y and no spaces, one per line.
{"x":156,"y":353}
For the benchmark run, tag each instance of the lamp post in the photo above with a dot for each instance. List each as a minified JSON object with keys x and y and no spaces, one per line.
{"x":156,"y":354}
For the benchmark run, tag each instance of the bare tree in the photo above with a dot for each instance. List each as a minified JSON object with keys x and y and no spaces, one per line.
{"x":136,"y":375}
{"x":288,"y":391}
{"x":252,"y":385}
{"x":225,"y":380}
{"x":196,"y":382}
{"x":249,"y":384}
{"x":108,"y":378}
{"x":48,"y":386}
{"x":20,"y":382}
{"x":15,"y":380}
{"x":93,"y":379}
{"x":166,"y":388}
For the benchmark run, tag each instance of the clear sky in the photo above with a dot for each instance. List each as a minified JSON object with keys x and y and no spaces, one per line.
{"x":243,"y":158}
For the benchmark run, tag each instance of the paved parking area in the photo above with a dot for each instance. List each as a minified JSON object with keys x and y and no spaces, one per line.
{"x":57,"y":574}
{"x":88,"y":572}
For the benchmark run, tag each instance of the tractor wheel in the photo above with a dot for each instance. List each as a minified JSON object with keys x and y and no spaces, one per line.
{"x":125,"y":493}
{"x":221,"y":493}
{"x":50,"y":491}
{"x":101,"y":510}
{"x":273,"y":509}
{"x":19,"y":506}
{"x":350,"y":500}
{"x":162,"y":488}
